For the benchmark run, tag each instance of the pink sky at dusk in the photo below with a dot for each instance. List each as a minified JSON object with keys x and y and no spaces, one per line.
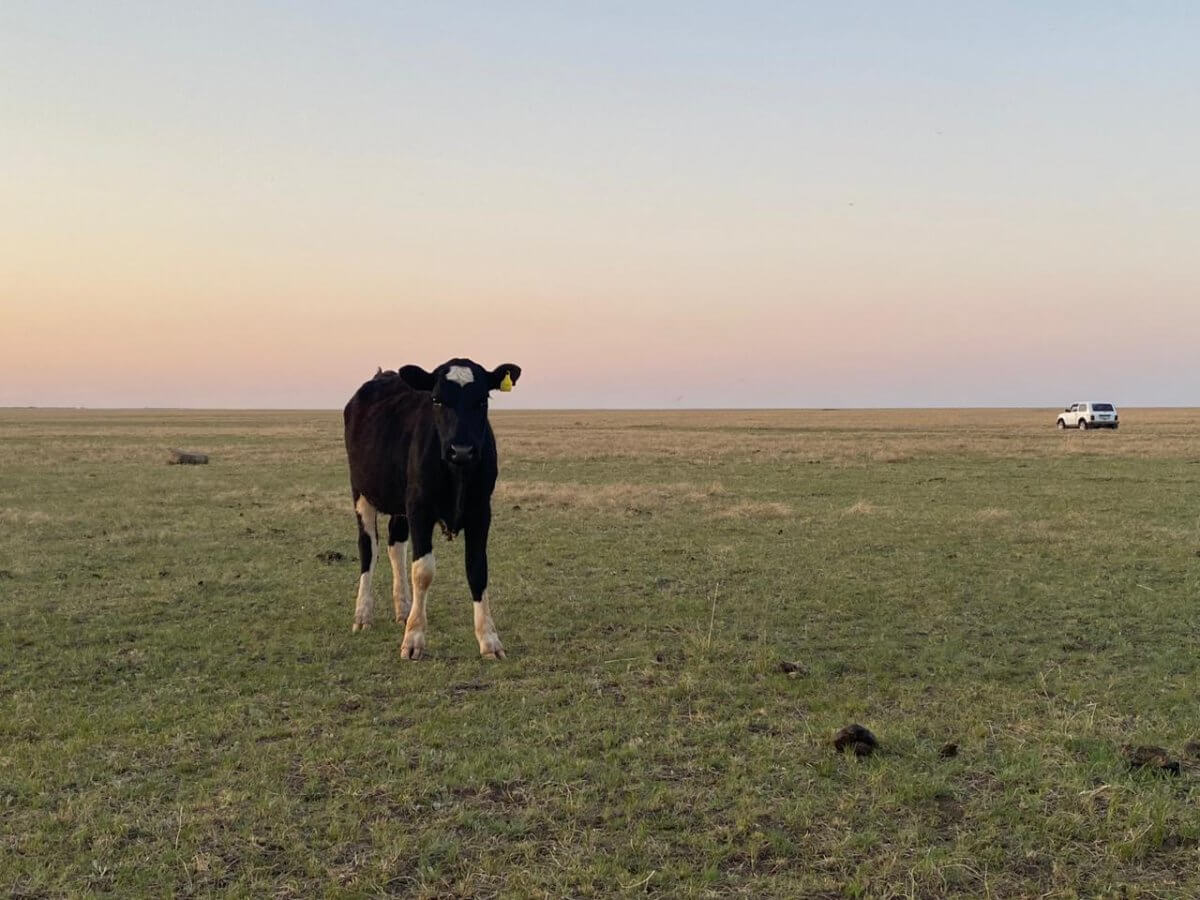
{"x":255,"y":207}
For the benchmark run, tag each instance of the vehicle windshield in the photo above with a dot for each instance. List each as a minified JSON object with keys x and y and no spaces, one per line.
{"x":1102,"y":407}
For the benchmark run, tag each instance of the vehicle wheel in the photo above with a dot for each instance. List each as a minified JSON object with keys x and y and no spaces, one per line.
{"x":1083,"y":424}
{"x":1061,"y":425}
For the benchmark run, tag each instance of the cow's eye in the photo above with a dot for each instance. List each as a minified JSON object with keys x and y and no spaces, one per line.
{"x":437,"y":402}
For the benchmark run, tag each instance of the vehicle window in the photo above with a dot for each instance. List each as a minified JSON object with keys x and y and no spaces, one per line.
{"x":1074,"y":407}
{"x":1102,"y":407}
{"x":1083,"y":407}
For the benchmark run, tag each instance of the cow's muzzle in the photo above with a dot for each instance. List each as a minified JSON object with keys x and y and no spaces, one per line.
{"x":462,"y":455}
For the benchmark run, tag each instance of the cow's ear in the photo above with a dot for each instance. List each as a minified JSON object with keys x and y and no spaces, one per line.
{"x":502,"y":378}
{"x":416,"y":378}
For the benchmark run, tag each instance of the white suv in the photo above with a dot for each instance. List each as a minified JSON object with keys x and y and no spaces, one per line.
{"x":1088,"y":415}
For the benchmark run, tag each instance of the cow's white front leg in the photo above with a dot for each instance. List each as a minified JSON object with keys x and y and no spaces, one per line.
{"x":414,"y":630}
{"x":485,"y":630}
{"x":477,"y":577}
{"x":368,"y":550}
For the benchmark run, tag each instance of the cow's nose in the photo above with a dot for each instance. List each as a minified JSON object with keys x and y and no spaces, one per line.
{"x":460,"y":454}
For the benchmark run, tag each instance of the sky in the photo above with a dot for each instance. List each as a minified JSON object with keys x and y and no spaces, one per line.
{"x":643,"y":204}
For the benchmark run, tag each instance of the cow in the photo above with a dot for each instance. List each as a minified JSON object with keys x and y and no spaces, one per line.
{"x":422,"y":451}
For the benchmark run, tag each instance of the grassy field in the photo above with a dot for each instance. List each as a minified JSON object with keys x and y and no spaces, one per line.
{"x":186,"y":712}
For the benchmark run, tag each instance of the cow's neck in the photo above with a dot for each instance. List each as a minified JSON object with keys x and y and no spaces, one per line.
{"x":459,"y":481}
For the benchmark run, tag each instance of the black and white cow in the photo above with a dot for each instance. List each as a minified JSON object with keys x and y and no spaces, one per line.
{"x":421,"y":450}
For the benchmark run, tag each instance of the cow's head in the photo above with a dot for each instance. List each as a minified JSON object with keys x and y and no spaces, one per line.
{"x":459,"y":391}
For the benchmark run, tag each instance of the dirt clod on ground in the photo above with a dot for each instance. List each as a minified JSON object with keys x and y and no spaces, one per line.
{"x":948,"y":750}
{"x":857,"y":738}
{"x":330,"y":556}
{"x":1147,"y":757}
{"x":792,"y":668}
{"x":179,"y":457}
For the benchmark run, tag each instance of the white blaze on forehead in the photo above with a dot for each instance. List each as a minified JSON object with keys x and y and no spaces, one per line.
{"x":460,"y":375}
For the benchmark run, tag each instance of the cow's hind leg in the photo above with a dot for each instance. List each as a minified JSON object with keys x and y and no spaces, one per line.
{"x":368,"y":550}
{"x":398,"y":554}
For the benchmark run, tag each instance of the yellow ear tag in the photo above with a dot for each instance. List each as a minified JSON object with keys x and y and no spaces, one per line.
{"x":506,"y":384}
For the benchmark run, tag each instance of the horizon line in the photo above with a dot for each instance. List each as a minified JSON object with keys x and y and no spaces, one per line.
{"x":849,"y":407}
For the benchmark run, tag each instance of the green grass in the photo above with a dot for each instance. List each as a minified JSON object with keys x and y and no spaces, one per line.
{"x":186,"y":712}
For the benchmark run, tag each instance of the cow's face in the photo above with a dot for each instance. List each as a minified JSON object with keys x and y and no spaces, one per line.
{"x":459,"y":392}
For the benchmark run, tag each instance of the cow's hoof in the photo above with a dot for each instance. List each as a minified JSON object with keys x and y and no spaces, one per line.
{"x":491,"y":648}
{"x":413,"y":646}
{"x":360,"y":626}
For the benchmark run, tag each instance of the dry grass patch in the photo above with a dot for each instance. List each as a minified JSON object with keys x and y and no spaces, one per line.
{"x":573,"y":494}
{"x":865,"y":508}
{"x":12,"y":516}
{"x":320,"y":502}
{"x":754,"y":509}
{"x":714,"y":499}
{"x":1039,"y":529}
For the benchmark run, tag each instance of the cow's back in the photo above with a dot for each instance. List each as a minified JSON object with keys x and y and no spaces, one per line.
{"x":382,"y":420}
